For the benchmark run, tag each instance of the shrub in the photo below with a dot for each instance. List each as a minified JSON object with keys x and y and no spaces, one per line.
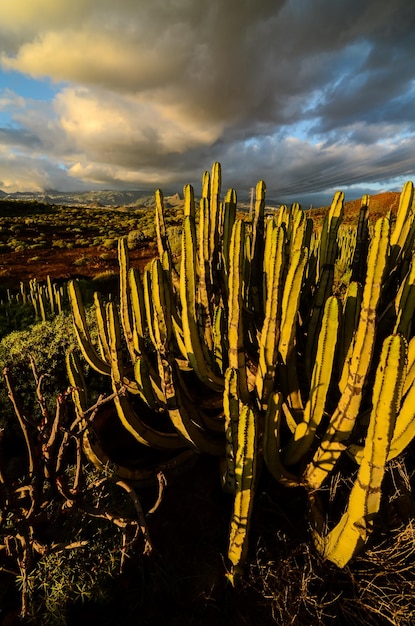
{"x":15,"y":317}
{"x":59,"y":243}
{"x":47,"y":342}
{"x":135,"y":238}
{"x":110,"y":244}
{"x":83,"y":260}
{"x":64,"y":529}
{"x":106,"y":256}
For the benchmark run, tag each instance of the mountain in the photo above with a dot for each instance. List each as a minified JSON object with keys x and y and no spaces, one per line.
{"x":82,"y":198}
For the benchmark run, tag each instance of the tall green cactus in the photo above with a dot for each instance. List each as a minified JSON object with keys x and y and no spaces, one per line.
{"x":403,"y":234}
{"x":269,"y":340}
{"x":325,"y":273}
{"x":247,"y":352}
{"x":236,"y":298}
{"x":355,"y":525}
{"x":82,"y":331}
{"x":245,"y":478}
{"x":257,"y":252}
{"x":197,"y":356}
{"x":345,"y":415}
{"x":305,"y":431}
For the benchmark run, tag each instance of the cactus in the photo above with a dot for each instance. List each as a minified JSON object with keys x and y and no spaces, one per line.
{"x":251,"y":327}
{"x":48,"y":299}
{"x":257,"y":252}
{"x":325,"y":272}
{"x":403,"y":234}
{"x":405,"y":303}
{"x":268,"y":344}
{"x":355,"y":525}
{"x":228,"y":222}
{"x":245,"y":478}
{"x":358,"y":264}
{"x":82,"y":331}
{"x":272,"y":442}
{"x":198,"y":357}
{"x":236,"y":298}
{"x":345,"y":415}
{"x":320,"y":381}
{"x":288,"y":329}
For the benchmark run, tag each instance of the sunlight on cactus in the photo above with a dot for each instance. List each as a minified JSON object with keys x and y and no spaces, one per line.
{"x":268,"y":341}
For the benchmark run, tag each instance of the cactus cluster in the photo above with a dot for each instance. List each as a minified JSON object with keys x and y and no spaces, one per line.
{"x":250,"y":351}
{"x":47,"y":299}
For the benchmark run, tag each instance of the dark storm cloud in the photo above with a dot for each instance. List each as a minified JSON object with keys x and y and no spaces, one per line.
{"x":18,"y":137}
{"x":305,"y":94}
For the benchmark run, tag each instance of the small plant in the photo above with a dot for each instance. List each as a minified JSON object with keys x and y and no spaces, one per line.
{"x":83,"y":260}
{"x":48,"y":530}
{"x":109,"y":243}
{"x":106,"y":256}
{"x":45,"y":342}
{"x":59,"y":243}
{"x":135,"y":238}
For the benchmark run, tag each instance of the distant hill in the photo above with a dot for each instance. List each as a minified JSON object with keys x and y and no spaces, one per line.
{"x":83,"y":198}
{"x":379,"y":205}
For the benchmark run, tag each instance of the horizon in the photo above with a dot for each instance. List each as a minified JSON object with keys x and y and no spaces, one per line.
{"x":146,"y":194}
{"x":95,"y":96}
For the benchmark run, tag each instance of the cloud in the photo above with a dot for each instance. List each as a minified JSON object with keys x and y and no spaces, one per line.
{"x":301,"y":94}
{"x":22,"y":172}
{"x":104,"y":122}
{"x":10,"y":100}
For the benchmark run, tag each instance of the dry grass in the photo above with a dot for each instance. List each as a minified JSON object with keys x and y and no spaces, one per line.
{"x":378,"y":588}
{"x":299,"y":588}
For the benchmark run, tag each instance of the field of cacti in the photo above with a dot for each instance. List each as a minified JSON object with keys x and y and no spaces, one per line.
{"x":257,"y":381}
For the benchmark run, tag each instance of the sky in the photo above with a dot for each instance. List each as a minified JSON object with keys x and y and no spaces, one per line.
{"x":311,"y":96}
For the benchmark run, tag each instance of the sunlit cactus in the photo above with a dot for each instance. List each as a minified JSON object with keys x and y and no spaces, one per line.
{"x":249,"y":348}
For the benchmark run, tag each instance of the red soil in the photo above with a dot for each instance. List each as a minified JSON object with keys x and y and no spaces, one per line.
{"x":63,"y":264}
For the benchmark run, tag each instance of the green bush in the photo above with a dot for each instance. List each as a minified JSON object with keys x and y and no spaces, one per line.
{"x":77,"y":576}
{"x":135,"y":238}
{"x":106,"y":256}
{"x":110,"y":244}
{"x":83,"y":260}
{"x":15,"y":317}
{"x":47,"y":342}
{"x":59,"y":243}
